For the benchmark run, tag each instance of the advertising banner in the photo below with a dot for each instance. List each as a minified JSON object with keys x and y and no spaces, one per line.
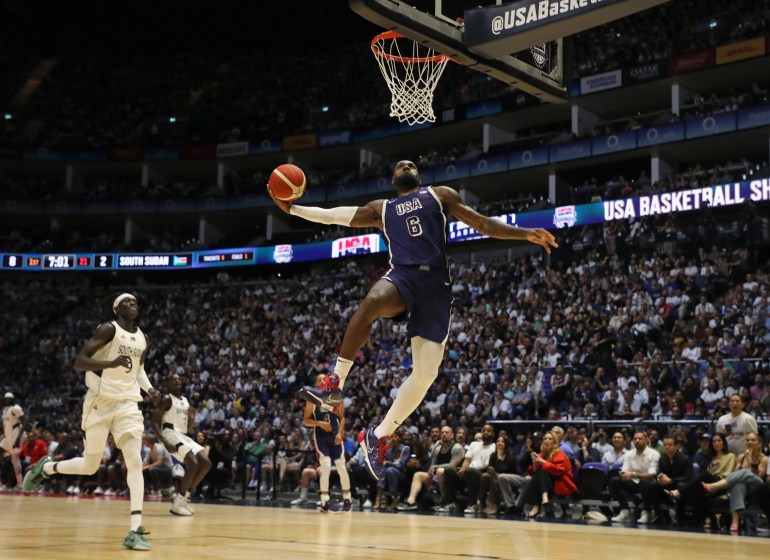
{"x":299,"y":142}
{"x":42,"y":154}
{"x":691,"y":62}
{"x":714,"y":124}
{"x":199,"y":151}
{"x":451,"y":172}
{"x":753,"y":117}
{"x":661,"y":204}
{"x":483,"y":108}
{"x":489,"y":165}
{"x":335,"y":138}
{"x":495,"y":31}
{"x":85,"y":154}
{"x":644,"y":72}
{"x":614,"y":143}
{"x":266,"y":146}
{"x":125,"y":153}
{"x":740,"y":51}
{"x":162,"y":152}
{"x":528,"y":158}
{"x":356,"y":245}
{"x":601,"y":82}
{"x":232,"y":149}
{"x":663,"y":134}
{"x":569,"y":150}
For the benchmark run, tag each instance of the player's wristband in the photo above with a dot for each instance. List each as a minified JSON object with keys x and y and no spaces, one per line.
{"x":341,"y":216}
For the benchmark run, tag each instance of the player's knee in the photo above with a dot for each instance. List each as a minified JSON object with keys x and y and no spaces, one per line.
{"x":325,"y":462}
{"x":190,"y":461}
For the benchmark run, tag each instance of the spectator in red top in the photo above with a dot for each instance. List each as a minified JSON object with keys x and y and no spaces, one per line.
{"x":551,"y":473}
{"x":34,"y":450}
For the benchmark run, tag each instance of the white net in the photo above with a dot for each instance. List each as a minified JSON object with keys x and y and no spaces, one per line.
{"x":411,"y":71}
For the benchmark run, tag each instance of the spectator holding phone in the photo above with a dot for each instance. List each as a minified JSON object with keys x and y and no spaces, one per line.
{"x":736,"y":425}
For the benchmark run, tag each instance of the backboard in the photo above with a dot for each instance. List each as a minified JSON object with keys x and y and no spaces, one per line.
{"x":519,"y":43}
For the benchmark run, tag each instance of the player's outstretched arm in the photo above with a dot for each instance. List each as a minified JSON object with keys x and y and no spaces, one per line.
{"x":102,"y":335}
{"x":353,"y":216}
{"x":451,"y":200}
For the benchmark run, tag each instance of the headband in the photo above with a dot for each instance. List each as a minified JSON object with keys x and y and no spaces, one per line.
{"x":120,"y":298}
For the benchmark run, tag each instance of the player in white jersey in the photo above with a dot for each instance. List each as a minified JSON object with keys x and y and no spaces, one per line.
{"x":13,"y":433}
{"x":113,"y":359}
{"x":172,"y":421}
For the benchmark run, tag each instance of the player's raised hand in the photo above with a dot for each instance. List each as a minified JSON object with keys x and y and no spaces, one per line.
{"x":282,"y":204}
{"x":543,"y":238}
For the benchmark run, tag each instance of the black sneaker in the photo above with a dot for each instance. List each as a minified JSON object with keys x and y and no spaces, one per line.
{"x":327,"y":508}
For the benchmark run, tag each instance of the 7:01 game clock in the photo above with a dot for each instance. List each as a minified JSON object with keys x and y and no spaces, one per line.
{"x":58,"y":261}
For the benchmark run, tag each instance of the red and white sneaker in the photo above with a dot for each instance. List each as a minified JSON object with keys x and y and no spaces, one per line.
{"x":375,"y":452}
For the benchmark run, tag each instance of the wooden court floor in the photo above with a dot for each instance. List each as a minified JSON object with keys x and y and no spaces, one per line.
{"x":50,"y":528}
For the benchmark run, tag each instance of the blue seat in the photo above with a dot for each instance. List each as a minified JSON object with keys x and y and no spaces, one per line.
{"x":592,"y":481}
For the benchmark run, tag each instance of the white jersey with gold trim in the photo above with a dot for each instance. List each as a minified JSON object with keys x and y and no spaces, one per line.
{"x":119,"y":382}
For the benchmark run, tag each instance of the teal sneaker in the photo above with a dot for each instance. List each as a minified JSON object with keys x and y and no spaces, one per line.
{"x":35,"y":476}
{"x":135,"y":540}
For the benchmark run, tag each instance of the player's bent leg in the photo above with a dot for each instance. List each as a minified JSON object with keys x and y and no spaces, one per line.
{"x":86,"y":465}
{"x":383,"y":300}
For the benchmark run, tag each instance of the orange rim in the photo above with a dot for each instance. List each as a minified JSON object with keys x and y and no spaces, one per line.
{"x":385,"y":35}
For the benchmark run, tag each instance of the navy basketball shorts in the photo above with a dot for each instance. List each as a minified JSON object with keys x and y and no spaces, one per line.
{"x":428,"y":296}
{"x":324,"y":445}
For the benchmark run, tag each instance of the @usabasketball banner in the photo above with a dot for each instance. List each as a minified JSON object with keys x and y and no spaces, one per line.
{"x":496,"y":31}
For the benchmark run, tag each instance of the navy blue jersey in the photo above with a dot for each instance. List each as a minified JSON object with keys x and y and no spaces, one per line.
{"x":415,"y":227}
{"x":331,"y":416}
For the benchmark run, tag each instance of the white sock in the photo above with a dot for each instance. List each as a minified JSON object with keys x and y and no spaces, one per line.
{"x":342,"y":368}
{"x":303,"y":493}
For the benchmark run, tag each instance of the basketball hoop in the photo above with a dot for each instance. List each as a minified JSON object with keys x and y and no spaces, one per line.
{"x":411,"y":75}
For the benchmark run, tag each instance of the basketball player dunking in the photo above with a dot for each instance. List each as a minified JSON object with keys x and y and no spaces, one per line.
{"x":328,"y":437}
{"x":113,"y":359}
{"x":417,"y":284}
{"x":13,"y":433}
{"x":172,"y":422}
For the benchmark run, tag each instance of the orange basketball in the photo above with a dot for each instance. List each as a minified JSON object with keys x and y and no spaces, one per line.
{"x":287,"y":182}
